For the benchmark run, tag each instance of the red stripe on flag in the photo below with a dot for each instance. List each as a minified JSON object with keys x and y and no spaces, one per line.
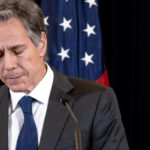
{"x":103,"y":78}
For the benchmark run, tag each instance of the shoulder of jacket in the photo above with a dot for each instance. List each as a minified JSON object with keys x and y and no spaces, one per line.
{"x":85,"y":86}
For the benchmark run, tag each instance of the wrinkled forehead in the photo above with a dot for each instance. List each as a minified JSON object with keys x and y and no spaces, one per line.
{"x":6,"y":16}
{"x":11,"y":27}
{"x":12,"y":32}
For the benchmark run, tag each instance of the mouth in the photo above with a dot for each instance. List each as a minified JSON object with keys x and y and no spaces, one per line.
{"x":13,"y":79}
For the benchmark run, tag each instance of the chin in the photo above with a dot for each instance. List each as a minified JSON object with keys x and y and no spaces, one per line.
{"x":17,"y":88}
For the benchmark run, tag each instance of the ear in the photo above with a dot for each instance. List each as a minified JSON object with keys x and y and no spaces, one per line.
{"x":43,"y":45}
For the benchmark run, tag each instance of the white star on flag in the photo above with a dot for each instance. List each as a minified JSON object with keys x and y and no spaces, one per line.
{"x":64,"y":53}
{"x":87,"y":59}
{"x":46,"y":20}
{"x":91,"y":3}
{"x":89,"y":30}
{"x":66,"y":24}
{"x":66,"y":0}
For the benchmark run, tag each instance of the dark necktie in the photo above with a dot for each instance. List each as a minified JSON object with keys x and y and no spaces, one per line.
{"x":27,"y":139}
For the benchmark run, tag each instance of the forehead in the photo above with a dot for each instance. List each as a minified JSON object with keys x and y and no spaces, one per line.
{"x":12,"y":30}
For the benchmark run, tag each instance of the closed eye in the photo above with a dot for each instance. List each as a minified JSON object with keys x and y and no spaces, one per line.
{"x":1,"y":54}
{"x":17,"y":49}
{"x":17,"y":52}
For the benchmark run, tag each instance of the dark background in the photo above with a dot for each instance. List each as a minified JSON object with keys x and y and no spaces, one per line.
{"x":126,"y":37}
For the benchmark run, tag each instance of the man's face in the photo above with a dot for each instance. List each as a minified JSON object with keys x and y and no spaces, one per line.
{"x":21,"y":62}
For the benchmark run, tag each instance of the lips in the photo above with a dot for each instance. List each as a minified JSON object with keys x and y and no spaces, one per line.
{"x":13,"y":79}
{"x":13,"y":76}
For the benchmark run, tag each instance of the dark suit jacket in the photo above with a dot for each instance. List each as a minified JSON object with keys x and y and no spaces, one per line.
{"x":94,"y":105}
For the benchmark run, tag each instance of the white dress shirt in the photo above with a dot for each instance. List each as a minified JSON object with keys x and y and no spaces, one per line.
{"x":15,"y":115}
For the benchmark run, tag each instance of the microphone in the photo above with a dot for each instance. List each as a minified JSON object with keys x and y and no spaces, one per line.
{"x":78,"y":137}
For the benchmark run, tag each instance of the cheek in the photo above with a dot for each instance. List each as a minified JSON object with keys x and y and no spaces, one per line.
{"x":31,"y":59}
{"x":27,"y":63}
{"x":1,"y":69}
{"x":0,"y":73}
{"x":30,"y":69}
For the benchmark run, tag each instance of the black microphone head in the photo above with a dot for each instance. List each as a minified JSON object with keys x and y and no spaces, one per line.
{"x":63,"y":101}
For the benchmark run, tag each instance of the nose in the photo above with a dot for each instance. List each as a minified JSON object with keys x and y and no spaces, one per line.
{"x":9,"y":61}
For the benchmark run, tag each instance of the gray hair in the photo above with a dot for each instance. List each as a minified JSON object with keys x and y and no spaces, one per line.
{"x":28,"y":13}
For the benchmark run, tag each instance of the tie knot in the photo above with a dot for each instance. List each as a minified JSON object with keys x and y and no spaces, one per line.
{"x":26,"y":104}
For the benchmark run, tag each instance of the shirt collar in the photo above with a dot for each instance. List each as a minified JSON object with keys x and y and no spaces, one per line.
{"x":41,"y":92}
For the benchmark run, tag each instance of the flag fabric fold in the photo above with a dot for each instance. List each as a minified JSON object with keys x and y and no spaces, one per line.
{"x":74,"y":38}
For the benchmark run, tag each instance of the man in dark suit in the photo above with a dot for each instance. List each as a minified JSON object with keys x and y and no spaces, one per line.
{"x":27,"y":77}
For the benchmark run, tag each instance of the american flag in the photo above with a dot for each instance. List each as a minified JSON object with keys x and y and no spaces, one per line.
{"x":74,"y":38}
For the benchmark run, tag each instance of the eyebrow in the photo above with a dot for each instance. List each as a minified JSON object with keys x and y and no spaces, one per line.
{"x":14,"y":47}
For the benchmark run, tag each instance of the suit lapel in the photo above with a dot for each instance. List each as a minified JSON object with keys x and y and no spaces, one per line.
{"x":4,"y":97}
{"x":57,"y":113}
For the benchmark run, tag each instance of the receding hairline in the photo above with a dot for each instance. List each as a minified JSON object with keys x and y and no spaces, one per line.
{"x":28,"y":13}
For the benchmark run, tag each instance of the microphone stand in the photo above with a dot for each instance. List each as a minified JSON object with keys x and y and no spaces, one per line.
{"x":78,"y":137}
